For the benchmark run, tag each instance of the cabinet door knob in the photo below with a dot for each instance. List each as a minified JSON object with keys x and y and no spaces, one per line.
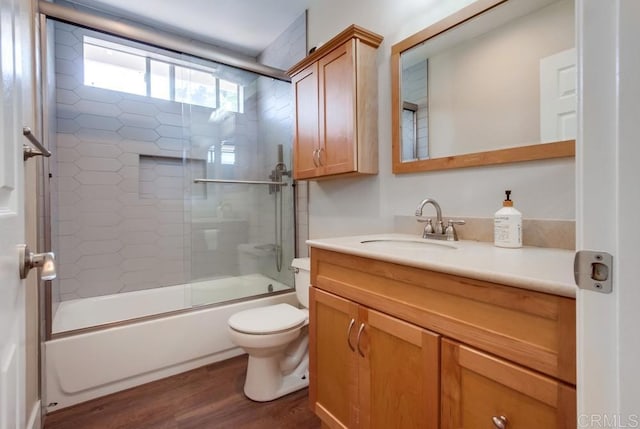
{"x":353,"y":322}
{"x":316,"y":157}
{"x":500,"y":422}
{"x":360,"y":331}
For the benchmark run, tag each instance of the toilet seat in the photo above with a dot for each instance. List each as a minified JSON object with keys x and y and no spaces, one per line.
{"x":268,"y":320}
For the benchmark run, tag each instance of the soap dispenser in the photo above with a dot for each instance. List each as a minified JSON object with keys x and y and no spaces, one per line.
{"x":507,"y":225}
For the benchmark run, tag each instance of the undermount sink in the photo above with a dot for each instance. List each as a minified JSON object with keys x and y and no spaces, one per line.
{"x":400,"y":244}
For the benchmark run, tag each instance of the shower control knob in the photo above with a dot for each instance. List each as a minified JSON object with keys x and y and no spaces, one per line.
{"x":45,"y":261}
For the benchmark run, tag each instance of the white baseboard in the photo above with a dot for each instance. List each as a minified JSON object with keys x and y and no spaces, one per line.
{"x":35,"y":419}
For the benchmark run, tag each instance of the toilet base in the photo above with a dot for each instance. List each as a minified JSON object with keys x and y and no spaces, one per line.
{"x":265,"y":381}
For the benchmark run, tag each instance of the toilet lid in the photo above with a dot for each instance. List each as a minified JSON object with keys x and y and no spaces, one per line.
{"x":269,"y":319}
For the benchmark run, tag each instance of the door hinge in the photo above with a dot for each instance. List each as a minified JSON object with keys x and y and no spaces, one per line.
{"x":593,"y":270}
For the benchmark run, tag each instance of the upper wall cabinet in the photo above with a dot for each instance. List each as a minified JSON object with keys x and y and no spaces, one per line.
{"x":336,"y":93}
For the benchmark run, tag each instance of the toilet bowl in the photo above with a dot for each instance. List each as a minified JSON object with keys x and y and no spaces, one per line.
{"x":276,"y":339}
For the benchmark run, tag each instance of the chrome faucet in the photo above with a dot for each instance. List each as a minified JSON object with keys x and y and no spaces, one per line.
{"x":429,"y":228}
{"x":438,"y":232}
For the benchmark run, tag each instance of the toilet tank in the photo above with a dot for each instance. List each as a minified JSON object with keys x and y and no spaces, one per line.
{"x":302,"y":279}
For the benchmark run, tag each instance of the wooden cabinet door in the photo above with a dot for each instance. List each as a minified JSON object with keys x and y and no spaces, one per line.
{"x":306,"y":146}
{"x":333,"y":383}
{"x":478,"y":388}
{"x":337,"y":86}
{"x":399,"y":374}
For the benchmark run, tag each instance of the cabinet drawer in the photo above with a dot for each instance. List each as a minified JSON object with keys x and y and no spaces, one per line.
{"x":478,"y":388}
{"x":534,"y":329}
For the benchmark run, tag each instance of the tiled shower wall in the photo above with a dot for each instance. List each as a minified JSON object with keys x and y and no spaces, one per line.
{"x":122,"y":196}
{"x":276,"y":110}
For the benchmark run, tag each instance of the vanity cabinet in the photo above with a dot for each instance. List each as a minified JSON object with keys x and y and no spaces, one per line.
{"x":440,"y":350}
{"x":371,"y":370}
{"x":336,"y":109}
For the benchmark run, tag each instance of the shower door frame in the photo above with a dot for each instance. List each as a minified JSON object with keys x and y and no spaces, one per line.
{"x":56,"y":12}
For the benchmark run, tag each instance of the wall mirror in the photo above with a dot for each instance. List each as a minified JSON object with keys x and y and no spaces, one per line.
{"x":491,"y":84}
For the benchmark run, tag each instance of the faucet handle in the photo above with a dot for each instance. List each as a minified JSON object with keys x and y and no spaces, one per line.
{"x":428,"y":228}
{"x":450,"y":230}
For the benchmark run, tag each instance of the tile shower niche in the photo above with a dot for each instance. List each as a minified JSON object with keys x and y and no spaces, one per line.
{"x":169,"y":178}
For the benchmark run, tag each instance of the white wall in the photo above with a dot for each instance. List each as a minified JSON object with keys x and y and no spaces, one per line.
{"x":541,"y":190}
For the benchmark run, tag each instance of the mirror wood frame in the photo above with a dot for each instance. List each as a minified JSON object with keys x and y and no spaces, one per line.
{"x":559,"y":149}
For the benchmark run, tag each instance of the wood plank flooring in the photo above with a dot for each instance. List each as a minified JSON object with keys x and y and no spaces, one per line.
{"x":207,"y":397}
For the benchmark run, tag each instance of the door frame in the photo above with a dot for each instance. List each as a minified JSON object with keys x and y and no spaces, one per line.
{"x":607,"y":201}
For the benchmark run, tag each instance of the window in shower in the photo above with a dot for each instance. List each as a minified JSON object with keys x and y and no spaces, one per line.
{"x":110,"y":68}
{"x":123,"y":68}
{"x":227,"y":153}
{"x":195,"y":87}
{"x":231,"y":96}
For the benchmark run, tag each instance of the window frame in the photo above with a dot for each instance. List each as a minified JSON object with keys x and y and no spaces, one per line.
{"x":151,"y":57}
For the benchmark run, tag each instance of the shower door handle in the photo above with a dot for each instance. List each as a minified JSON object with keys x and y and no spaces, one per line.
{"x":46,"y":261}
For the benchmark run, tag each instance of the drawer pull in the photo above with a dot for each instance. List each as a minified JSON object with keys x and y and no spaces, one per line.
{"x":360,"y":331}
{"x":500,"y":422}
{"x":353,"y":322}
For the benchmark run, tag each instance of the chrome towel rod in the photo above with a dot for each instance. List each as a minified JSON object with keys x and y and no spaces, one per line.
{"x":28,"y":152}
{"x":246,"y":182}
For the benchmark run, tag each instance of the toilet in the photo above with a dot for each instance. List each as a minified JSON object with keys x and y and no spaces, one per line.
{"x":276,"y":339}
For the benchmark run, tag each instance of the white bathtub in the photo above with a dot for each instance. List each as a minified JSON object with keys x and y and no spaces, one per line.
{"x":85,"y":366}
{"x":86,"y":312}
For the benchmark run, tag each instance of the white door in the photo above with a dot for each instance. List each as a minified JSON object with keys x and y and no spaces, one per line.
{"x":558,"y":93}
{"x":15,"y":86}
{"x":608,"y":203}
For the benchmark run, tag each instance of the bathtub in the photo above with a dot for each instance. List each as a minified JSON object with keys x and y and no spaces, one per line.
{"x":88,"y":365}
{"x":86,"y":312}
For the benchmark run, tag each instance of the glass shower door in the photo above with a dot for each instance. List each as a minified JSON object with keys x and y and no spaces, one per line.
{"x":242,"y":222}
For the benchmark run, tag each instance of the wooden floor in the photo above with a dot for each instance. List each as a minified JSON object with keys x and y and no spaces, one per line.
{"x":207,"y":397}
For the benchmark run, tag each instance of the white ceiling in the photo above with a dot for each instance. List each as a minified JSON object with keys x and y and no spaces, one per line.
{"x":246,"y":26}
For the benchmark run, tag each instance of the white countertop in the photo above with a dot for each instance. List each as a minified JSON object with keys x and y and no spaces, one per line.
{"x":535,"y":268}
